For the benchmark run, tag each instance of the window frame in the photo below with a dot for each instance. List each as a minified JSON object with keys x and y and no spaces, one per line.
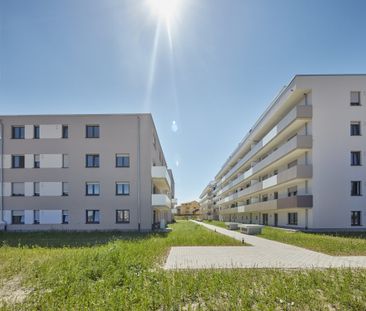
{"x":358,"y":218}
{"x":35,"y":165}
{"x":36,"y":132}
{"x":353,"y":104}
{"x":36,"y":222}
{"x":356,"y":155}
{"x":123,"y":221}
{"x":12,"y":189}
{"x":65,"y":130}
{"x":353,"y":126}
{"x":94,"y":157}
{"x":22,"y":218}
{"x":13,"y":131}
{"x":94,"y":211}
{"x":358,"y":188}
{"x":123,"y":156}
{"x":124,"y":184}
{"x":88,"y":183}
{"x":95,"y":131}
{"x":36,"y":193}
{"x":21,"y":162}
{"x":292,"y":219}
{"x":65,"y":214}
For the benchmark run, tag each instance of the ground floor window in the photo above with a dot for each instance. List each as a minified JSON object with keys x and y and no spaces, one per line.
{"x":292,"y":218}
{"x":92,"y":216}
{"x":123,"y":216}
{"x":265,"y":219}
{"x":17,"y":217}
{"x":36,"y":217}
{"x":355,"y":218}
{"x":65,"y":217}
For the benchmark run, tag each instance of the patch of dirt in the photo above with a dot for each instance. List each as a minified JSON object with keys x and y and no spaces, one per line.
{"x":12,"y":292}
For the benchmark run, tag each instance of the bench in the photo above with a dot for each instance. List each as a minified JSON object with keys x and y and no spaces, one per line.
{"x":250,"y":229}
{"x":232,"y":225}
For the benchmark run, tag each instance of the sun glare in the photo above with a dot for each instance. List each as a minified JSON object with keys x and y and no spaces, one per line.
{"x":165,"y":9}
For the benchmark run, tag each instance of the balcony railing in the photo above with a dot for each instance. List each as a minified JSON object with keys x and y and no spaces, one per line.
{"x":300,"y":201}
{"x":161,"y":173}
{"x":161,"y":201}
{"x":297,"y":113}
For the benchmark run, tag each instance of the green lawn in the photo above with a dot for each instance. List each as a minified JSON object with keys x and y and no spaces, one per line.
{"x":336,"y":244}
{"x":341,"y":244}
{"x":65,"y":271}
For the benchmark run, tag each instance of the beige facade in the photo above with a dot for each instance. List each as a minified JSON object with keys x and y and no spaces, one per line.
{"x":302,"y":163}
{"x":189,"y":208}
{"x":83,"y":172}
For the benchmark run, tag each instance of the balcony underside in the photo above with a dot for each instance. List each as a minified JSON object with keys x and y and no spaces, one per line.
{"x":300,"y":201}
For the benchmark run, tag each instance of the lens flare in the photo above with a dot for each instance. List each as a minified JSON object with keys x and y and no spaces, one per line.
{"x":165,"y":9}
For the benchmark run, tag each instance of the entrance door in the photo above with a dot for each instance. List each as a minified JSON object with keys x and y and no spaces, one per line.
{"x":276,"y":220}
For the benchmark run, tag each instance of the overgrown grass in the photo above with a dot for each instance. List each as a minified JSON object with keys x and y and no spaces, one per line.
{"x":216,"y":223}
{"x":121,"y":272}
{"x":337,"y":244}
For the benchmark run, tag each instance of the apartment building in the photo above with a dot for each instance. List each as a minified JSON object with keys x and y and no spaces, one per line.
{"x":83,"y":172}
{"x":302,"y":164}
{"x":209,"y":209}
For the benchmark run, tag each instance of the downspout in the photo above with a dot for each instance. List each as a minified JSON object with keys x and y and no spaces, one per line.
{"x":2,"y":222}
{"x":138,"y":173}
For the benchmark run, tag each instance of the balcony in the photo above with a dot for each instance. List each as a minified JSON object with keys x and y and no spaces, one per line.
{"x":161,"y":177}
{"x":293,"y":119}
{"x":297,"y":143}
{"x":300,"y":201}
{"x":161,"y":201}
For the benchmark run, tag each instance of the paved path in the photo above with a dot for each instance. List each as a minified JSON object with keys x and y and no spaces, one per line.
{"x":262,"y":254}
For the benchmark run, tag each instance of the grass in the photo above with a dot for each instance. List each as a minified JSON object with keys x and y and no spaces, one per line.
{"x":65,"y":271}
{"x":336,"y":244}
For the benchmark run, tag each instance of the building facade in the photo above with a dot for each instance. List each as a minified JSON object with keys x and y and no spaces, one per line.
{"x":209,"y":209}
{"x":302,"y":163}
{"x":83,"y":172}
{"x":188,"y":208}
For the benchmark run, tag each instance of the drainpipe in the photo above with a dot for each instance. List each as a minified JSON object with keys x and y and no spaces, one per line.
{"x":138,"y":173}
{"x":2,"y":222}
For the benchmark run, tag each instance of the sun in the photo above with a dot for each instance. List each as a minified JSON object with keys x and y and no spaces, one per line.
{"x":165,"y":9}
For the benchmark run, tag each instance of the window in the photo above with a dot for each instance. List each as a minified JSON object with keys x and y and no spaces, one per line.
{"x":92,"y":188}
{"x":36,"y":217}
{"x":92,"y":131}
{"x":122,"y":160}
{"x":65,"y":189}
{"x":355,"y":98}
{"x":65,"y":131}
{"x":275,"y":195}
{"x":355,"y":188}
{"x":92,"y":160}
{"x":122,"y":188}
{"x":292,"y":191}
{"x":65,"y":160}
{"x":355,"y":158}
{"x":17,"y":217}
{"x":36,"y":132}
{"x":275,"y":172}
{"x":264,"y":197}
{"x":65,"y":217}
{"x":17,"y":132}
{"x":36,"y":189}
{"x":292,"y":219}
{"x":292,"y":164}
{"x":355,"y":128}
{"x":123,"y":216}
{"x":265,"y":219}
{"x":17,"y":189}
{"x":17,"y":161}
{"x":355,"y":218}
{"x":92,"y":216}
{"x":37,"y":162}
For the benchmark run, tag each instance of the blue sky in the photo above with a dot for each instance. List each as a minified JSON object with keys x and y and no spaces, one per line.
{"x":227,"y":61}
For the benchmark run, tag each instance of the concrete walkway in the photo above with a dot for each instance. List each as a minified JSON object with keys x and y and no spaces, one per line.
{"x":262,"y":254}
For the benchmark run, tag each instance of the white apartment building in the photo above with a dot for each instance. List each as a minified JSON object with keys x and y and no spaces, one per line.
{"x":83,"y":172}
{"x":302,"y":164}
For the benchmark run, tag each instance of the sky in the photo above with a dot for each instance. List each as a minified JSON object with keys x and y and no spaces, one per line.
{"x":206,"y":78}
